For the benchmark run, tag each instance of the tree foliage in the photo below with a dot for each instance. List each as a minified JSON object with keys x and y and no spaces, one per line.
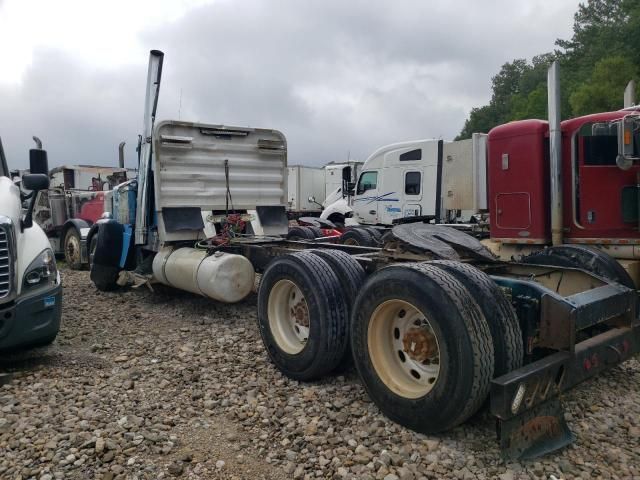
{"x":596,"y":63}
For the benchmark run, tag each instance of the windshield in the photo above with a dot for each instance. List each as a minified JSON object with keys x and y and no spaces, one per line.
{"x":4,"y":171}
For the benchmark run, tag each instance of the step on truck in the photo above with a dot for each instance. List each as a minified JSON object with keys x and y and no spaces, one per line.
{"x":434,"y":321}
{"x":30,"y":287}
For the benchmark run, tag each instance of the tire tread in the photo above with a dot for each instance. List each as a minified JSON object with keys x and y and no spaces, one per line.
{"x":501,"y":318}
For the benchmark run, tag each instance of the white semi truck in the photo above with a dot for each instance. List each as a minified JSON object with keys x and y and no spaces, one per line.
{"x":30,"y":287}
{"x":432,"y":179}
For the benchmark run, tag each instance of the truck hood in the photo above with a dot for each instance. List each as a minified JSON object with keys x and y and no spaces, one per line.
{"x":29,"y":242}
{"x":10,"y":204}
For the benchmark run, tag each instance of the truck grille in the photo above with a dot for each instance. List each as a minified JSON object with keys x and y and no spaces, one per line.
{"x":5,"y":262}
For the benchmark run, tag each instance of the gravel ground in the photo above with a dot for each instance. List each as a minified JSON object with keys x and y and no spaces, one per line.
{"x":166,"y":384}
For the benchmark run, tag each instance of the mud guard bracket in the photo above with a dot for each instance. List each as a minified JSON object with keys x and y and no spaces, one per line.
{"x":535,"y":432}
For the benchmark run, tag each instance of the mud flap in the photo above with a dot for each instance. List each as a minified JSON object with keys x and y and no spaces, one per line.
{"x":535,"y":432}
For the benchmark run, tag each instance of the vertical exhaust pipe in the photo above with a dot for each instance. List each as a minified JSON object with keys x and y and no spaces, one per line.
{"x":154,"y":74}
{"x":630,"y":94}
{"x":121,"y":154}
{"x":555,"y":146}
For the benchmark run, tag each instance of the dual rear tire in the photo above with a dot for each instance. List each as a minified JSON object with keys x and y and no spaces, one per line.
{"x":306,"y":232}
{"x":426,"y":337}
{"x":362,"y":237}
{"x":422,"y":347}
{"x":303,"y":316}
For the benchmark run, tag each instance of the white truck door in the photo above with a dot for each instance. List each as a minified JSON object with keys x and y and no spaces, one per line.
{"x":365,"y":201}
{"x":412,"y":192}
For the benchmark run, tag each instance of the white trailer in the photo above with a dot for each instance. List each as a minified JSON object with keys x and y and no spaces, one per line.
{"x":88,"y":177}
{"x":306,"y":188}
{"x":337,"y":175}
{"x":433,"y":179}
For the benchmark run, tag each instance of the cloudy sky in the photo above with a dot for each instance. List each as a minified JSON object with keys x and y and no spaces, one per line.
{"x":337,"y":77}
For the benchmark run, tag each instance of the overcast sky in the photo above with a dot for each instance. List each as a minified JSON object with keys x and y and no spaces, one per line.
{"x":337,"y":77}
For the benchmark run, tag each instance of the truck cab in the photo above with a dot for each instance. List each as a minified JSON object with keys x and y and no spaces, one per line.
{"x":599,"y":183}
{"x":431,"y":179}
{"x":398,"y":180}
{"x":30,"y":286}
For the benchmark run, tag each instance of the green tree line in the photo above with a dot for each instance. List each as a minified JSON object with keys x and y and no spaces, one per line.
{"x":595,"y":64}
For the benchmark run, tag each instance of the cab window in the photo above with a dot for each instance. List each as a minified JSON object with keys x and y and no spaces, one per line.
{"x":412,"y":183}
{"x":597,"y":143}
{"x":368,"y":181}
{"x":411,"y":155}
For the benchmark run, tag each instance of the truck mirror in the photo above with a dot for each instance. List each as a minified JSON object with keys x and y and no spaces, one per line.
{"x":38,"y":162}
{"x":311,"y":199}
{"x":627,"y":142}
{"x":35,"y":181}
{"x":351,"y":186}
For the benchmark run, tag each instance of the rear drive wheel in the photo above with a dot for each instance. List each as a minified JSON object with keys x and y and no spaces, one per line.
{"x":351,"y":276}
{"x":375,"y":234}
{"x":357,"y":237}
{"x":422,"y":347}
{"x":501,"y":318}
{"x":300,"y":233}
{"x":302,"y":316}
{"x":317,"y":231}
{"x":72,"y":253}
{"x":349,"y":271}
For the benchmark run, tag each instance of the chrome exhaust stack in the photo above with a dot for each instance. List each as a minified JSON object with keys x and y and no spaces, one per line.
{"x":555,"y":146}
{"x":630,"y":94}
{"x":154,"y":74}
{"x":121,"y":154}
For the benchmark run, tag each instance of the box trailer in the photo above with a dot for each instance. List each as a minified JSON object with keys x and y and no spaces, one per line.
{"x":305,"y":190}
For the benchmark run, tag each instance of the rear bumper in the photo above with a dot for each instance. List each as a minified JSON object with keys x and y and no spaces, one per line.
{"x":31,"y":319}
{"x":576,"y":337}
{"x":525,"y":401}
{"x":547,"y":377}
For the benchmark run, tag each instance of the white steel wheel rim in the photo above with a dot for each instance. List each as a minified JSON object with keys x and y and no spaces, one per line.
{"x":403,"y":348}
{"x":289,"y":319}
{"x":73,"y":248}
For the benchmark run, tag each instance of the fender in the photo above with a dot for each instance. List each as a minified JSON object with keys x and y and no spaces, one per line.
{"x":339,"y":206}
{"x":82,"y":226}
{"x":110,"y":242}
{"x":120,"y":236}
{"x":92,"y":231}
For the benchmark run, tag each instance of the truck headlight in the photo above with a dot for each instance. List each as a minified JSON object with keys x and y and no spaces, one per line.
{"x":42,"y":271}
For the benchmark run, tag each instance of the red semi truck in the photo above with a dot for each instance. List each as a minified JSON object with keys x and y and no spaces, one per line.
{"x":590,"y":199}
